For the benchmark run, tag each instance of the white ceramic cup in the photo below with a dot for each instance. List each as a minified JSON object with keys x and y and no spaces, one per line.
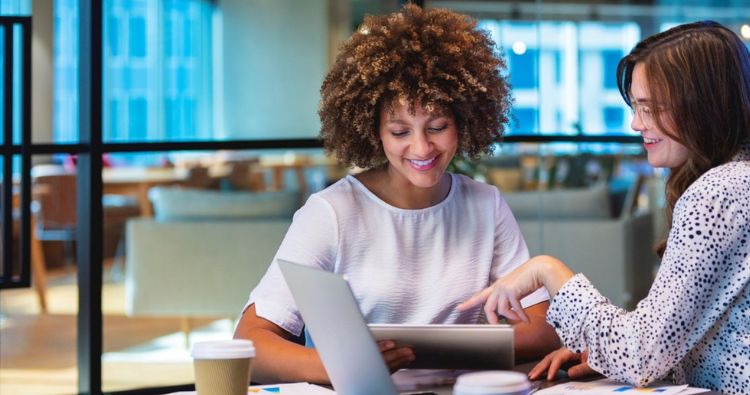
{"x":222,"y":366}
{"x":492,"y":383}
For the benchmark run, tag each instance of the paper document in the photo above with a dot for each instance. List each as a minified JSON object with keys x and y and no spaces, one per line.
{"x":289,"y":389}
{"x":611,"y":387}
{"x":283,"y":389}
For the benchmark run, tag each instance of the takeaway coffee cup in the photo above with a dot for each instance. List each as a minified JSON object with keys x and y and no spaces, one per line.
{"x":492,"y":383}
{"x":222,"y":367}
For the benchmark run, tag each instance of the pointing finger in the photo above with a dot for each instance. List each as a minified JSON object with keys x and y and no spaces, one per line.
{"x":476,"y":299}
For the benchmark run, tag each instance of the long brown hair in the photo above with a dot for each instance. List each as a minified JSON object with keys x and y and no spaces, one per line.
{"x":699,"y":74}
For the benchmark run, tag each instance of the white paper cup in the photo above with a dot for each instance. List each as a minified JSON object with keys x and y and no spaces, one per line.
{"x":222,"y":366}
{"x":492,"y":383}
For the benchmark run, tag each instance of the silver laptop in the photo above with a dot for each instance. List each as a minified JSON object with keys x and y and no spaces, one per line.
{"x":345,"y":344}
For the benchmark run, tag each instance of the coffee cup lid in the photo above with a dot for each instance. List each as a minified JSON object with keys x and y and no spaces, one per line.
{"x":223,"y":349}
{"x":492,"y":382}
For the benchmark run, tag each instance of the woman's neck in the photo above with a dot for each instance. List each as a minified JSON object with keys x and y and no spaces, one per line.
{"x":397,"y":191}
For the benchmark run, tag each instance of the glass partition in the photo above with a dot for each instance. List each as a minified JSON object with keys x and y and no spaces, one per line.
{"x":15,"y":7}
{"x":571,"y":200}
{"x":207,"y":223}
{"x":185,"y":75}
{"x":562,"y":58}
{"x":38,"y":342}
{"x":14,"y":48}
{"x":546,"y":62}
{"x":65,"y":92}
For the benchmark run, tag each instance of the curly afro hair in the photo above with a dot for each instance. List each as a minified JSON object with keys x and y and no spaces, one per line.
{"x":434,"y":57}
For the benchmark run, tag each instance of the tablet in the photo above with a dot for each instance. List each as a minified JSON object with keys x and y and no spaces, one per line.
{"x":475,"y":347}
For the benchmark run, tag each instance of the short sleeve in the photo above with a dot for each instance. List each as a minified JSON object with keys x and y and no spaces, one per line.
{"x":312,"y":239}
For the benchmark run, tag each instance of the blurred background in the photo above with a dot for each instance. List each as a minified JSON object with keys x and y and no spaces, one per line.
{"x":209,"y":140}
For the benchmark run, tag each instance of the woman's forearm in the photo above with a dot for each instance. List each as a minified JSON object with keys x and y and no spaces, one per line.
{"x":276,"y":358}
{"x":279,"y":360}
{"x":552,"y":272}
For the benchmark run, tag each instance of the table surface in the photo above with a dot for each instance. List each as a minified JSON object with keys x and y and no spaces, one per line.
{"x":449,"y":376}
{"x":562,"y":378}
{"x":120,"y":175}
{"x":523,"y":368}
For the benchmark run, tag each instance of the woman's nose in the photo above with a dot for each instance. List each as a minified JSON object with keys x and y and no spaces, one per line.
{"x":637,"y":122}
{"x":421,"y":145}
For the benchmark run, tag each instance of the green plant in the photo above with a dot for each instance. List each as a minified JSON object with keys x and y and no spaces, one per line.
{"x":469,"y":168}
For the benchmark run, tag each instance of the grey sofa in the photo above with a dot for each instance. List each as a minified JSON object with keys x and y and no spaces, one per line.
{"x":204,"y":251}
{"x":578,"y":227}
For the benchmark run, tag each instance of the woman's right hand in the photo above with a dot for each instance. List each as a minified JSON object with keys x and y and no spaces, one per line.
{"x":503,"y":297}
{"x":554,"y":360}
{"x":395,"y":357}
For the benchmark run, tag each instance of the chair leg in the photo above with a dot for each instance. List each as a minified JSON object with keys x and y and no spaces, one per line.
{"x":118,"y":261}
{"x":38,"y":269}
{"x":186,"y":323}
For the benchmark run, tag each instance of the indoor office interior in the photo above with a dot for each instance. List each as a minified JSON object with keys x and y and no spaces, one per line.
{"x":154,"y":152}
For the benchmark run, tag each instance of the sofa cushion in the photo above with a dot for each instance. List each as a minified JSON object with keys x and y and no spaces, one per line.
{"x":588,"y":203}
{"x":189,"y":204}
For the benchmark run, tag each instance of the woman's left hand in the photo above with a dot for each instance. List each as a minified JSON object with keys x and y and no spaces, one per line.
{"x":554,"y":360}
{"x":503,"y":297}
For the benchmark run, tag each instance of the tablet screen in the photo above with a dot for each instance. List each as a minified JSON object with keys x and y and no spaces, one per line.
{"x":452,"y":346}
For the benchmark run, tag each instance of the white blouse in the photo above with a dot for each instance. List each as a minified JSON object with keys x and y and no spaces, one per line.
{"x":403,"y":266}
{"x":695,"y":322}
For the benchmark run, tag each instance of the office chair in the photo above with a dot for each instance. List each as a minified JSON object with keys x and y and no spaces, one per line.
{"x":54,"y":218}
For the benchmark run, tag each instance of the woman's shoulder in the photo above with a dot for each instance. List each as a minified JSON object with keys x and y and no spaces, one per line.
{"x":341,"y":189}
{"x":468,"y":185}
{"x":477,"y":196}
{"x":725,"y":185}
{"x":729,"y":177}
{"x":346,"y":194}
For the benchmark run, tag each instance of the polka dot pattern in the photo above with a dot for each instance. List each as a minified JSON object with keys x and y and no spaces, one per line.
{"x":694,"y":325}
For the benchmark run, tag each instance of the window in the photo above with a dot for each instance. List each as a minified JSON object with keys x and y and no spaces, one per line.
{"x":613,"y":118}
{"x":65,"y":94}
{"x":610,"y":59}
{"x":161,"y":64}
{"x":15,"y":7}
{"x":522,"y":66}
{"x":157,"y":56}
{"x":565,"y":73}
{"x":523,"y":120}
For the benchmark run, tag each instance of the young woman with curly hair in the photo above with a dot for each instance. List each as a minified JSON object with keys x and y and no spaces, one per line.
{"x":689,"y":88}
{"x":407,"y":93}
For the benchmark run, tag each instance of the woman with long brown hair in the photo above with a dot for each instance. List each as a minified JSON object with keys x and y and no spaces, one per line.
{"x":689,"y":89}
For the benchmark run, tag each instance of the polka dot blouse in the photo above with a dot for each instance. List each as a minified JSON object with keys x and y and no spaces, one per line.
{"x":694,"y":325}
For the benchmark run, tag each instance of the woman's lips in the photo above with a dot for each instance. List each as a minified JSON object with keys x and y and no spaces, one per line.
{"x":423,"y":164}
{"x":650,"y":142}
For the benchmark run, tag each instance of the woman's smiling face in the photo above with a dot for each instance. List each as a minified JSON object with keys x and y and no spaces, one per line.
{"x":663,"y":151}
{"x":418,"y":147}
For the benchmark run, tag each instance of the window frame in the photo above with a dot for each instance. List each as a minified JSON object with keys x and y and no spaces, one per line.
{"x":89,"y":150}
{"x":10,"y":149}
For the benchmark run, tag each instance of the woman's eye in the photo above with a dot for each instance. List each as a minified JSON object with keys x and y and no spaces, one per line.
{"x":646,"y":110}
{"x":399,"y":133}
{"x":437,"y":128}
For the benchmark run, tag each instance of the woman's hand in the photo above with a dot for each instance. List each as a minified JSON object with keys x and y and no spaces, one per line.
{"x":395,"y":357}
{"x":503,"y":297}
{"x":554,"y":360}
